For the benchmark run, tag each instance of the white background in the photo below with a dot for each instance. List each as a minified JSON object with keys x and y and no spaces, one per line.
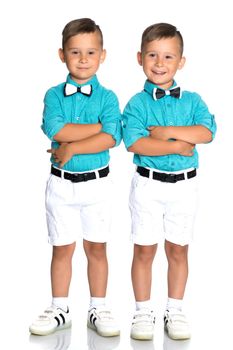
{"x":30,"y":37}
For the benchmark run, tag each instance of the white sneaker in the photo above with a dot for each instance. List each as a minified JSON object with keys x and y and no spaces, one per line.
{"x":51,"y":320}
{"x":176,"y":325}
{"x":143,"y":325}
{"x":100,"y":319}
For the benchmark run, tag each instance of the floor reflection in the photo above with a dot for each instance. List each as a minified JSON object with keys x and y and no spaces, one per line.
{"x":59,"y":340}
{"x":170,"y":344}
{"x":96,"y":342}
{"x":142,"y":344}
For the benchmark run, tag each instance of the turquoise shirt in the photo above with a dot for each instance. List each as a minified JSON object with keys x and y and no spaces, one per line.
{"x":102,"y":106}
{"x":142,"y":111}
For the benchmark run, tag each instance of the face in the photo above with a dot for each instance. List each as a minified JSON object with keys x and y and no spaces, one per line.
{"x":160,"y":60}
{"x":82,"y":55}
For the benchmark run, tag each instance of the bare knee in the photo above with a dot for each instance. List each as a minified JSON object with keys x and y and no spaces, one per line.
{"x":95,"y":251}
{"x":63,"y":252}
{"x":176,"y":253}
{"x":144,"y":254}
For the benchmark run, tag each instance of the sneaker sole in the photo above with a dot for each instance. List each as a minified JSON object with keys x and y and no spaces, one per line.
{"x":178,"y":336}
{"x":38,"y":332}
{"x":142,"y":336}
{"x":103,"y":334}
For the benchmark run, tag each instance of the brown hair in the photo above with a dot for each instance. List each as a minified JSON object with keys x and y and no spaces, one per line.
{"x":161,"y":30}
{"x":78,"y":26}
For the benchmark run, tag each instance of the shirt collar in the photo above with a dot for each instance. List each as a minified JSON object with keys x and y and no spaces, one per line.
{"x":149,"y":86}
{"x":93,"y":82}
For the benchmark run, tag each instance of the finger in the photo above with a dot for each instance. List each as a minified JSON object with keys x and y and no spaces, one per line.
{"x":51,"y":150}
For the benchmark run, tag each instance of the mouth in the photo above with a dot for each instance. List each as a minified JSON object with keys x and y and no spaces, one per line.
{"x":82,"y":68}
{"x":160,"y":73}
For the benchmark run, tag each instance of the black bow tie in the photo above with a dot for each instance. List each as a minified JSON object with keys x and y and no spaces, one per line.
{"x":159,"y":93}
{"x":70,"y":89}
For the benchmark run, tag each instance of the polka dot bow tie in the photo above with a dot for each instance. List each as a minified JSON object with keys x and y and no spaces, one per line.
{"x":70,"y":89}
{"x":159,"y":93}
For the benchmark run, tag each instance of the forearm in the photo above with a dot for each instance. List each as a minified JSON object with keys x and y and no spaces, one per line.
{"x":193,"y":134}
{"x":76,"y":132}
{"x":94,"y":144}
{"x":148,"y":146}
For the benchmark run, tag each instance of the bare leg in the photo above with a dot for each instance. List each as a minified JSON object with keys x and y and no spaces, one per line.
{"x":177,"y":269}
{"x":97,"y":268}
{"x":61,"y":269}
{"x":141,"y":271}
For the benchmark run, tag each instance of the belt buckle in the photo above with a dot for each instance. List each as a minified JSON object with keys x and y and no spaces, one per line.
{"x":85,"y":177}
{"x":75,"y":178}
{"x":171,"y":178}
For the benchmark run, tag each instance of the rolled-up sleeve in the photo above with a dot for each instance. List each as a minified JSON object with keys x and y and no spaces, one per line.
{"x":134,"y":123}
{"x":53,"y":118}
{"x":203,"y":116}
{"x":111,"y":118}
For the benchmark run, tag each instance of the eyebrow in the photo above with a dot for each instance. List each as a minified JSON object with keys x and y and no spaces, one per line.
{"x":164,"y":53}
{"x":79,"y":48}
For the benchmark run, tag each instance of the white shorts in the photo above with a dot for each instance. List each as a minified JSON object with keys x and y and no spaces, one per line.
{"x":70,"y":204}
{"x":162,"y":210}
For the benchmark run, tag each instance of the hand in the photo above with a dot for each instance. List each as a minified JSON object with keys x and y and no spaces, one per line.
{"x":62,"y":154}
{"x":185,"y":148}
{"x":159,"y":132}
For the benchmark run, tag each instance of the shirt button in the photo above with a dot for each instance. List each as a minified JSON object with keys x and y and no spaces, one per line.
{"x":168,"y":105}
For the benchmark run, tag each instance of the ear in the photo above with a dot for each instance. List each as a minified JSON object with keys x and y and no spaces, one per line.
{"x":182,"y":62}
{"x":103,"y":56}
{"x":61,"y":55}
{"x":139,"y":57}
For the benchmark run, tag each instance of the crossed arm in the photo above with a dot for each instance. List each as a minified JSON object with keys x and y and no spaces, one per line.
{"x":185,"y":138}
{"x":80,"y":139}
{"x":77,"y":132}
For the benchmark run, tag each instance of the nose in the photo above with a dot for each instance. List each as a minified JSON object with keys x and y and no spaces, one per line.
{"x":83,"y":58}
{"x":159,"y":62}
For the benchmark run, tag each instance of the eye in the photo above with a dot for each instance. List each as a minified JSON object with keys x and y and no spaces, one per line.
{"x":169,"y":57}
{"x":91,"y":52}
{"x":74,"y":52}
{"x":152,"y":54}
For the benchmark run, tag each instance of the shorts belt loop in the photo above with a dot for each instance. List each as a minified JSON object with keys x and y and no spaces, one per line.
{"x":62,"y":174}
{"x":97,"y":174}
{"x":150,"y":174}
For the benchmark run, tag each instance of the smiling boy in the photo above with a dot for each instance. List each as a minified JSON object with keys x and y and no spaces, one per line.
{"x":161,"y":126}
{"x":82,"y":119}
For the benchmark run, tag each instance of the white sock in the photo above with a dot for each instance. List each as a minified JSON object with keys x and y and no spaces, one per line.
{"x":174,"y":304}
{"x":96,"y":301}
{"x":143,"y":305}
{"x":61,"y":302}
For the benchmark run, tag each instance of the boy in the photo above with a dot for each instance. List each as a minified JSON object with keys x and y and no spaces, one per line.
{"x":82,"y":119}
{"x":161,"y":126}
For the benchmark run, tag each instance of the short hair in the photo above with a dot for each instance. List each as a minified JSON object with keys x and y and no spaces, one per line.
{"x":78,"y":26}
{"x":161,"y":30}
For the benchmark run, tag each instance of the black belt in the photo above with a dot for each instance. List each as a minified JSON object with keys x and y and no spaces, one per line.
{"x":79,"y":177}
{"x":172,"y":178}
